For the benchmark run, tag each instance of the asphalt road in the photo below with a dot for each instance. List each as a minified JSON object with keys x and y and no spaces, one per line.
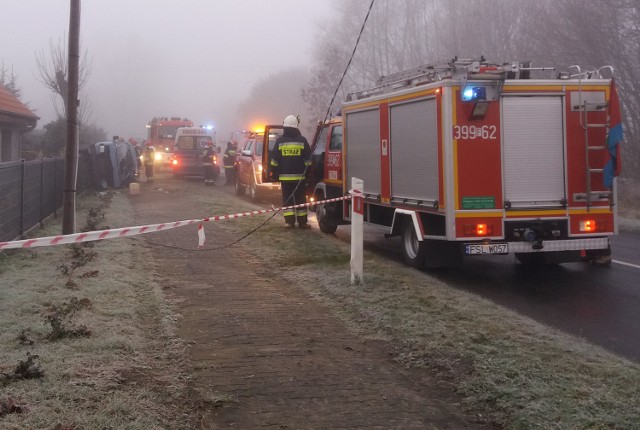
{"x":600,"y":304}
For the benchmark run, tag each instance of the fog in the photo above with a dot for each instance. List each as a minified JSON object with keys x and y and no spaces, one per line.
{"x":194,"y":59}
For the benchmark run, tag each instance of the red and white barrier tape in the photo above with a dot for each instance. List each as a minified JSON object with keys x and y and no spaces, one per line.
{"x":144,"y":229}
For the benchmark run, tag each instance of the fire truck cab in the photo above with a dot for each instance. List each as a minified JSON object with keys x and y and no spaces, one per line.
{"x":161,"y":134}
{"x":469,"y":158}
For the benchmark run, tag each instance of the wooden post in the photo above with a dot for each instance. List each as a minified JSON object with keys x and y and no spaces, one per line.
{"x":71,"y":155}
{"x":357,"y":212}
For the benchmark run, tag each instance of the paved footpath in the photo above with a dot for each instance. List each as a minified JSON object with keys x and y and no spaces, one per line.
{"x":281,"y":358}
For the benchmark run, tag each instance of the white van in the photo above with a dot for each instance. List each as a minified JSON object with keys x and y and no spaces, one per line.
{"x":190,"y":144}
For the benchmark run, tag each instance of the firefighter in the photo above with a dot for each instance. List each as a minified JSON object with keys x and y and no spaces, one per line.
{"x":229,"y":161}
{"x":290,"y":159}
{"x":208,"y":166}
{"x":148,"y":156}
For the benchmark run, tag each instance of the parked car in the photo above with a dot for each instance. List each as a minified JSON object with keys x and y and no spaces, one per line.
{"x":249,"y":169}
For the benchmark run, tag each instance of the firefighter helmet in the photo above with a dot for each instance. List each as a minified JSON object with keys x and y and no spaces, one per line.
{"x":291,"y":121}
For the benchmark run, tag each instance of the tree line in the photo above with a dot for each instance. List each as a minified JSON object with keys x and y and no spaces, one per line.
{"x":401,"y":34}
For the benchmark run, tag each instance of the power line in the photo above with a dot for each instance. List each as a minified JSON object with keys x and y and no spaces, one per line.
{"x":353,"y":53}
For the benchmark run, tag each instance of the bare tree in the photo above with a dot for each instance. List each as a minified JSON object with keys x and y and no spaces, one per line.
{"x":275,"y":97}
{"x":592,"y":34}
{"x":53,"y":72}
{"x":402,"y":34}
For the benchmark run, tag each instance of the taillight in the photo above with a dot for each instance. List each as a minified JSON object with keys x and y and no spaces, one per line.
{"x":174,"y":161}
{"x":588,"y":225}
{"x":478,"y":229}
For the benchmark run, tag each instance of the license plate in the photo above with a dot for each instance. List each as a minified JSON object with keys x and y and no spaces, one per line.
{"x":492,"y":248}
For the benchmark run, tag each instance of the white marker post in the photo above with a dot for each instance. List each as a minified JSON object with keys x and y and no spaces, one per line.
{"x":357,"y":212}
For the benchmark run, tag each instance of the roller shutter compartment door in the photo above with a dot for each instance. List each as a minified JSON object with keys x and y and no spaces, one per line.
{"x":414,"y":150}
{"x":533,"y":151}
{"x":363,"y":140}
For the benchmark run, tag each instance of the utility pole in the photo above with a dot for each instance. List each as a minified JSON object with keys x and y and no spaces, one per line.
{"x":71,"y":154}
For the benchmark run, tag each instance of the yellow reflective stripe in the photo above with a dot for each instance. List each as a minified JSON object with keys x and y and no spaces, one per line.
{"x":307,"y":163}
{"x":288,"y":213}
{"x":292,"y":146}
{"x":274,"y":163}
{"x":290,"y":177}
{"x":301,"y":213}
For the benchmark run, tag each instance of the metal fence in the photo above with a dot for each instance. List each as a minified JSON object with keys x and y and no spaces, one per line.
{"x":30,"y":191}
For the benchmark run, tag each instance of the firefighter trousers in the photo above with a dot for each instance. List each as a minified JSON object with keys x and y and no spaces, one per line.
{"x":293,"y":196}
{"x":229,"y":174}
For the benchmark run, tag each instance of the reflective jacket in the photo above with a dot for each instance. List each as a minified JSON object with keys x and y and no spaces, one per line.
{"x":290,"y":156}
{"x":149,"y":155}
{"x":229,"y":158}
{"x":208,"y":157}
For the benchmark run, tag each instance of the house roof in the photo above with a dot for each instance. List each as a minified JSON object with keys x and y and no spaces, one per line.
{"x":12,"y":107}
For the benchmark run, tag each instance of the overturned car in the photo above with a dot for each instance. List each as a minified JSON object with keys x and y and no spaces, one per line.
{"x":110,"y":164}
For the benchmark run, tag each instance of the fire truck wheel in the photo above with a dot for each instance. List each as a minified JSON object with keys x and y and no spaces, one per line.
{"x":413,"y":250}
{"x":321,"y":216}
{"x":240,"y":189}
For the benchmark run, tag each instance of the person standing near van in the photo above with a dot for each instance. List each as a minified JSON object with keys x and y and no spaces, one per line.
{"x":289,"y":161}
{"x":148,"y":155}
{"x":229,"y":161}
{"x":208,"y":166}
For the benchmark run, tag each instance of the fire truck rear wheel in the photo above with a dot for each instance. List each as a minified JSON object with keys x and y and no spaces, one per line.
{"x":413,"y":250}
{"x":321,"y":217}
{"x":240,"y":189}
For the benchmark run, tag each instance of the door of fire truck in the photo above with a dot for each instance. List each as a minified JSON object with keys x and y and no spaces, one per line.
{"x":326,"y":157}
{"x":325,"y":174}
{"x":533,"y":151}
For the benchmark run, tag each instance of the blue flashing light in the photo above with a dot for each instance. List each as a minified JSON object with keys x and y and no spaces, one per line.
{"x":468,"y":94}
{"x":474,"y":94}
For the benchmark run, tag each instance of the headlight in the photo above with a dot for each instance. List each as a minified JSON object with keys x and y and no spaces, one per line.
{"x":157,"y":156}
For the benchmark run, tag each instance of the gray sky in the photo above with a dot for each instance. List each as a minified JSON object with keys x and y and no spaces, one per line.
{"x":188,"y":58}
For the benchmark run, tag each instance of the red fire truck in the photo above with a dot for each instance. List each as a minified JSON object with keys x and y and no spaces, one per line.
{"x":161,"y":133}
{"x":469,"y":158}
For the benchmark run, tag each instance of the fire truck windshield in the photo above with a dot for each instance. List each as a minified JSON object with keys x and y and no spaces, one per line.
{"x":167,"y":131}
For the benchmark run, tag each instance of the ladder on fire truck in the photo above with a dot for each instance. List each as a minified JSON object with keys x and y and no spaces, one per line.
{"x":463,"y":69}
{"x":585,"y":106}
